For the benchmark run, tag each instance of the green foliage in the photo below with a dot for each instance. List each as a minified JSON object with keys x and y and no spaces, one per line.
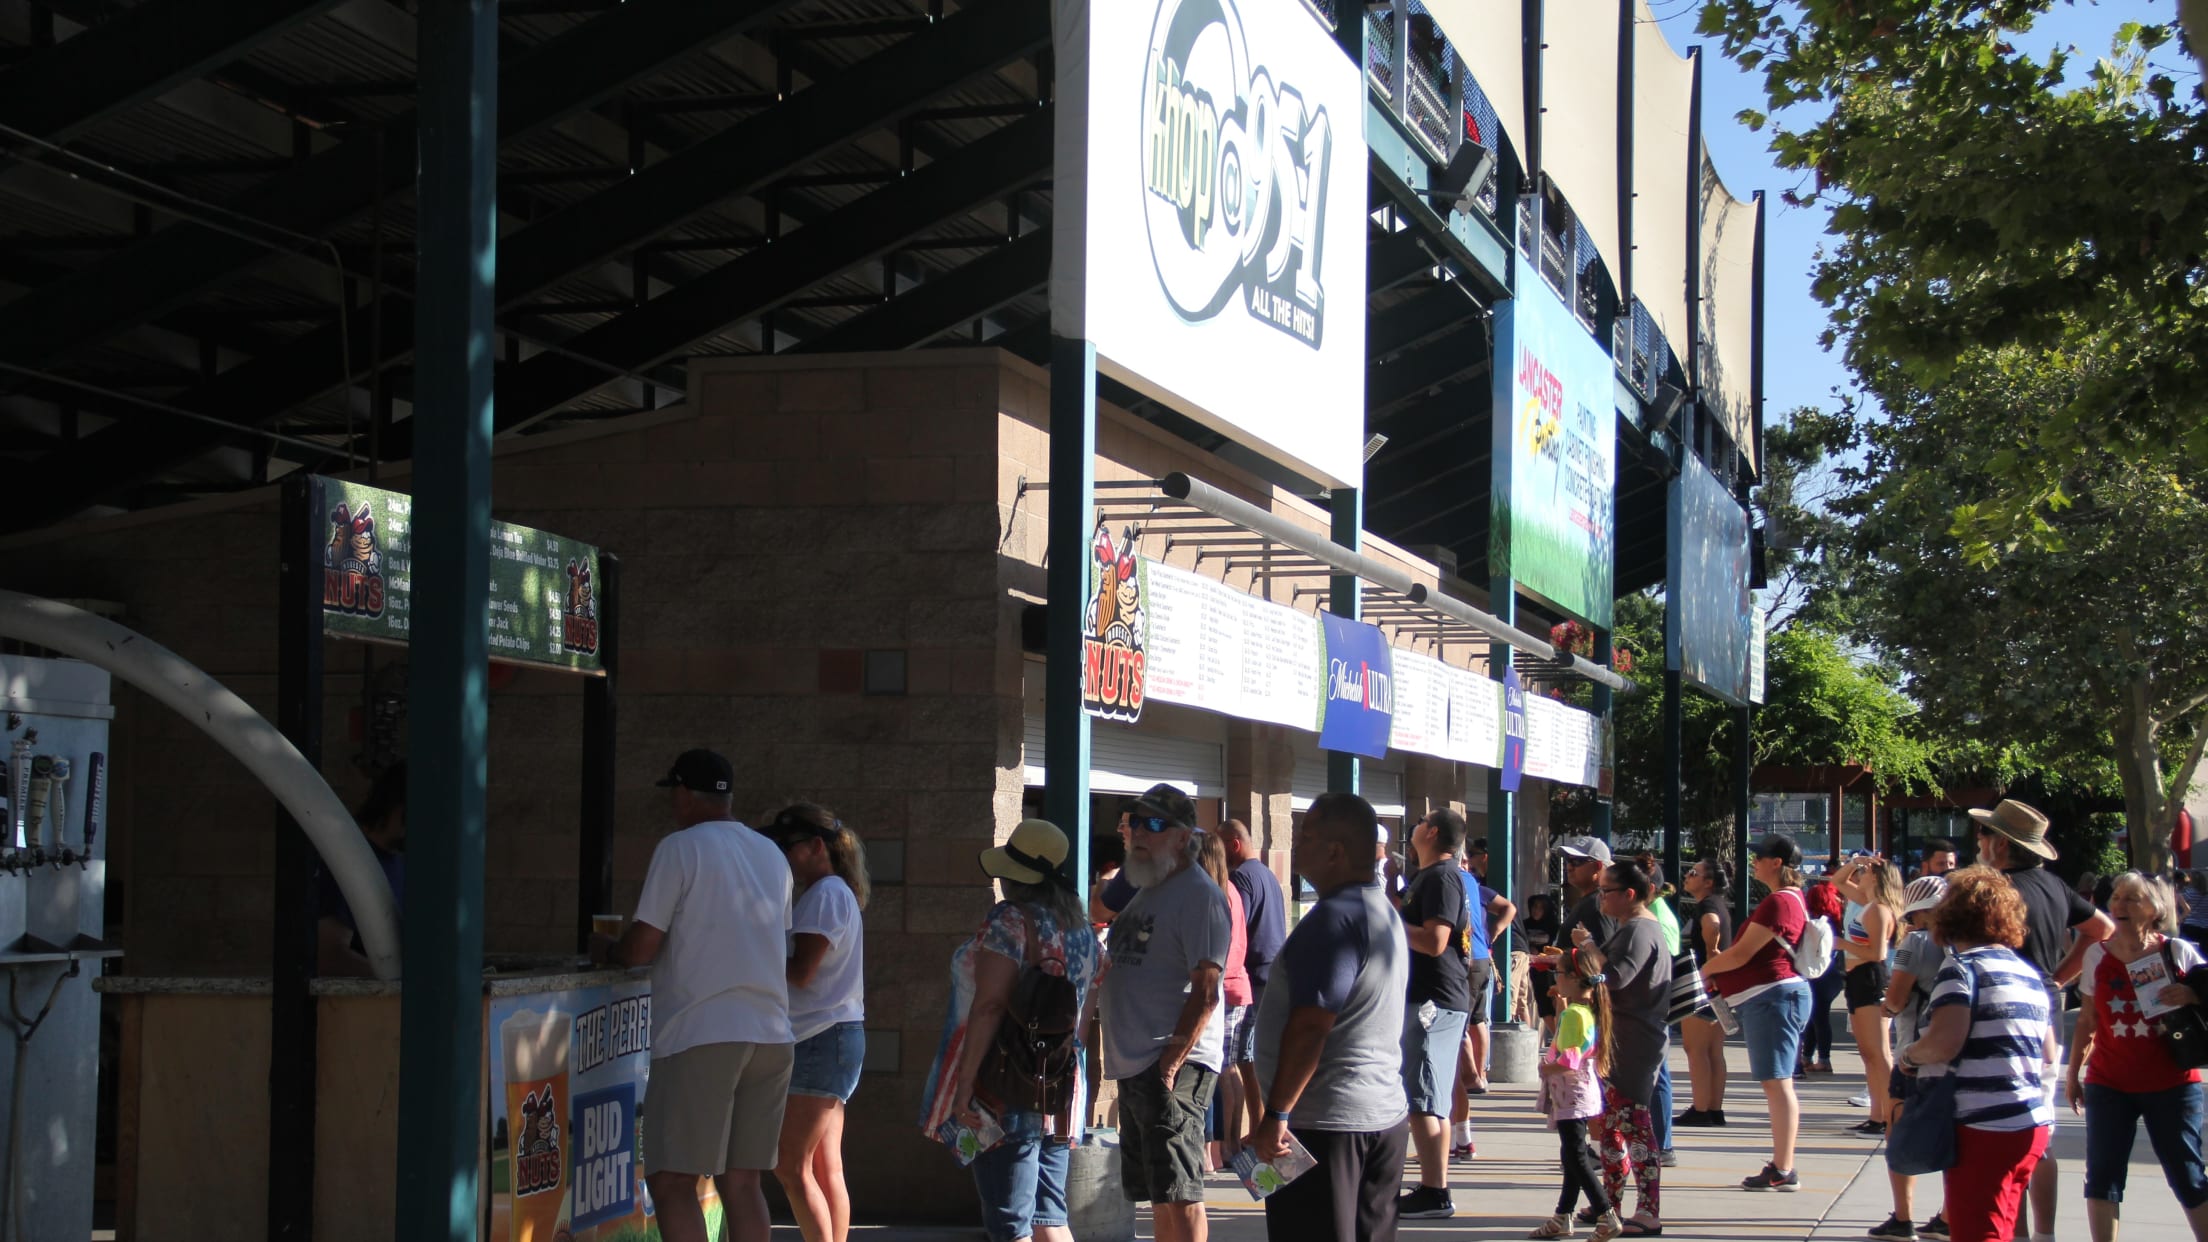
{"x":1981,"y":200}
{"x":1828,"y":706}
{"x":2081,"y":655}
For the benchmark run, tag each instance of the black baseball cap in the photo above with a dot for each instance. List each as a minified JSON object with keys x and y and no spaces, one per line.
{"x":1780,"y":846}
{"x":701,"y":771}
{"x":1166,"y":801}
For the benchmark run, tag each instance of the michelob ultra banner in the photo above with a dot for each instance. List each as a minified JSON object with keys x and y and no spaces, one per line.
{"x":567,"y":1132}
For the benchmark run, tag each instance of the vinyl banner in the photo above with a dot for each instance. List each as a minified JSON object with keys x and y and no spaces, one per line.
{"x":1224,"y":650}
{"x":544,"y":593}
{"x":1562,"y":743}
{"x":1756,"y":641}
{"x":1555,"y":520}
{"x":1114,"y":629}
{"x":1446,"y":711}
{"x":1360,"y":688}
{"x":1514,"y":729}
{"x":566,"y":1128}
{"x":1710,"y":539}
{"x":1210,"y":228}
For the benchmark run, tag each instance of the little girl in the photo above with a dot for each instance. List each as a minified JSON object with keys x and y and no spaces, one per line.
{"x":1571,"y":1094}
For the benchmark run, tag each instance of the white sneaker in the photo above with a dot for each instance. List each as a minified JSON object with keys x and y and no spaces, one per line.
{"x":1859,"y":1101}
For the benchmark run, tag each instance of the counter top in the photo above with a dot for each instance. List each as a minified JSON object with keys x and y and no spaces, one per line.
{"x":495,"y":983}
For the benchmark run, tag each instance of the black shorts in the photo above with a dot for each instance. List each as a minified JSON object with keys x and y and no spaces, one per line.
{"x":1482,"y":977}
{"x":1866,"y":985}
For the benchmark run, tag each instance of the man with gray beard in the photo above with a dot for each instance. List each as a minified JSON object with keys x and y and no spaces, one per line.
{"x":1164,"y":1027}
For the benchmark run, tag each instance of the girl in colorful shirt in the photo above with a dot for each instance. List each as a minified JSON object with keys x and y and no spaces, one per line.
{"x":1571,"y":1093}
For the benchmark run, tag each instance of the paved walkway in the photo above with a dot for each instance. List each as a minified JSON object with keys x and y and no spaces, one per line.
{"x":1513,"y":1185}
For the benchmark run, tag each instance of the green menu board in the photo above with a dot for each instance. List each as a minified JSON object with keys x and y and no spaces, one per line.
{"x":544,"y":589}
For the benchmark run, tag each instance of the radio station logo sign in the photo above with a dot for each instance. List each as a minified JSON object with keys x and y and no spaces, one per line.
{"x":1236,"y":168}
{"x":352,"y":563}
{"x":1514,"y":730}
{"x":1115,"y":629}
{"x":1360,"y":688}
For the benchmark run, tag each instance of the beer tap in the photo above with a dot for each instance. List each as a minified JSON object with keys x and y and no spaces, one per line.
{"x":19,"y":786}
{"x":42,"y":787}
{"x":58,"y":802}
{"x":95,"y":805}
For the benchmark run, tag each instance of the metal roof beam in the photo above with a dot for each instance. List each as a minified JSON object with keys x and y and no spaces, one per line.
{"x":1015,"y":156}
{"x":1419,"y":318}
{"x":559,"y":78}
{"x":541,"y":255}
{"x":955,"y":298}
{"x":1409,"y":376}
{"x":136,"y":56}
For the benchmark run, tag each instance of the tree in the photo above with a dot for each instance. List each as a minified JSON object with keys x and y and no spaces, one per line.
{"x":2087,"y":644}
{"x":1978,"y":200}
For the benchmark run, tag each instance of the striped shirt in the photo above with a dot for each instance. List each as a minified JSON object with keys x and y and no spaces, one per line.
{"x":1998,"y":1071}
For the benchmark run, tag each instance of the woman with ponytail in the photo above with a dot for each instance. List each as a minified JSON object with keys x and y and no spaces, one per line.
{"x":827,"y":1013}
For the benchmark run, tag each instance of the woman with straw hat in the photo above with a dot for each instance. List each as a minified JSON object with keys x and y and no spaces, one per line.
{"x":1019,"y":1158}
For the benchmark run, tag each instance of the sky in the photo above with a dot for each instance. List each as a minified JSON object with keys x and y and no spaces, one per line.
{"x":1797,"y":371}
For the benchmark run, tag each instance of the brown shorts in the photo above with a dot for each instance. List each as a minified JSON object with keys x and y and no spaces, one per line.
{"x":715,"y":1108}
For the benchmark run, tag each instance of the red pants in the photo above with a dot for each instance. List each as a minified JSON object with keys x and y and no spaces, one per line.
{"x":1986,"y":1186}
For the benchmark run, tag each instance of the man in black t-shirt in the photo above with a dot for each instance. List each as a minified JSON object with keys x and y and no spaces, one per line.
{"x":2013,"y":838}
{"x":1438,"y":1004}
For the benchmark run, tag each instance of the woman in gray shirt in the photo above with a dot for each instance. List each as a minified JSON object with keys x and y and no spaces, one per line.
{"x":1637,"y":969}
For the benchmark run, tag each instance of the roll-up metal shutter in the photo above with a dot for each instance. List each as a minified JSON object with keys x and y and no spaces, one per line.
{"x":1128,"y":761}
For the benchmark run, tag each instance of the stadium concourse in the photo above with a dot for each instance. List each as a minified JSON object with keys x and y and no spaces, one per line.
{"x":1512,"y":1186}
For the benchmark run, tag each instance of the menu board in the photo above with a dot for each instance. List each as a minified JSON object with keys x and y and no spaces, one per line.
{"x":1217,"y":648}
{"x":543,"y":588}
{"x":1446,"y":711}
{"x":1560,"y":743}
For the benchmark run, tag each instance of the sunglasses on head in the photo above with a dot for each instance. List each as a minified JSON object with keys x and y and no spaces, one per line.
{"x":1150,"y":823}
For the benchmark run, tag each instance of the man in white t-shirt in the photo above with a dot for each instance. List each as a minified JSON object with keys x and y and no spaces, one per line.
{"x":711,"y":923}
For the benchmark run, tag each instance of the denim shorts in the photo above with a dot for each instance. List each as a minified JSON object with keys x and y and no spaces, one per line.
{"x":2173,"y":1119}
{"x":828,"y":1064}
{"x":1430,"y":1059}
{"x":1022,"y":1180}
{"x":1771,"y":1025}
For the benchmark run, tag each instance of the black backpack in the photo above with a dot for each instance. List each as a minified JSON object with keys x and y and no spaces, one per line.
{"x":1031,"y":1062}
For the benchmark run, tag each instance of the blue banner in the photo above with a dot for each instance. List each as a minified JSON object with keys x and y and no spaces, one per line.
{"x":1360,"y":688}
{"x":1514,"y":729}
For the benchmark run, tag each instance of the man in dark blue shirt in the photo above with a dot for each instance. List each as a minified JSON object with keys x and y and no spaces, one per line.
{"x":1264,"y":909}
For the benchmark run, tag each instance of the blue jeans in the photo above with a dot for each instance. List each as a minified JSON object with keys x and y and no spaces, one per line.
{"x":2172,"y":1117}
{"x":1022,"y":1180}
{"x":1659,"y":1107}
{"x":1771,"y":1025}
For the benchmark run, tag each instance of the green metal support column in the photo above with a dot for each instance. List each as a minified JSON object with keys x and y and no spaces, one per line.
{"x":441,"y":1015}
{"x":1072,"y":521}
{"x":1502,"y":805}
{"x":1343,"y":768}
{"x":1605,"y":809}
{"x":1744,"y":749}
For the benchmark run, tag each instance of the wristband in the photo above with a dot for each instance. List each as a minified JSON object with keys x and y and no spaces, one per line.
{"x":1274,"y":1114}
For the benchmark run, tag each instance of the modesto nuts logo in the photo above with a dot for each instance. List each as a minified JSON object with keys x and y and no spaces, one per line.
{"x":1235,"y":166}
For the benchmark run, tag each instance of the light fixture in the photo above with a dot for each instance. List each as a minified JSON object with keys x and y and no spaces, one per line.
{"x":1459,"y":184}
{"x":1373,"y":444}
{"x":1663,"y":408}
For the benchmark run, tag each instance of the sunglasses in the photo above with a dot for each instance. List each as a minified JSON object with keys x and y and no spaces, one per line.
{"x":1984,"y":831}
{"x":1609,"y":891}
{"x":1150,"y":823}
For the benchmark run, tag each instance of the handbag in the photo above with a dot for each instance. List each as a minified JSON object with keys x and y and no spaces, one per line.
{"x":2184,"y":1030}
{"x":1688,"y":994}
{"x":1921,"y":1140}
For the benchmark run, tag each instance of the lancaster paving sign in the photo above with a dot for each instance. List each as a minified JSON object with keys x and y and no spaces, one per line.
{"x":1224,"y":141}
{"x":544,"y":588}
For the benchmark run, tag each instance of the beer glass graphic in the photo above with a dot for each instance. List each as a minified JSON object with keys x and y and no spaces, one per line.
{"x":535,"y":1046}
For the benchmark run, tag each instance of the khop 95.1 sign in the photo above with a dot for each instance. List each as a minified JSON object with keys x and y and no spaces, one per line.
{"x":1210,"y":236}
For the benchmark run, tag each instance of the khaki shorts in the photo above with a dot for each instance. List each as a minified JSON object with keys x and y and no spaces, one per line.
{"x":715,"y":1108}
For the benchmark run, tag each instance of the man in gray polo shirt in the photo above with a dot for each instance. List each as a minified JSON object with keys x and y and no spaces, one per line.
{"x":1329,"y":1040}
{"x":1165,"y":1031}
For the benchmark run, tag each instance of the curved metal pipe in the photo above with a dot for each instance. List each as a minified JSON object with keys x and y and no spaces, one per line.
{"x":245,"y":733}
{"x":1204,"y":496}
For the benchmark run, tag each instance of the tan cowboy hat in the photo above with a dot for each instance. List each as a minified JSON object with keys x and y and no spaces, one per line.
{"x":1034,"y":853}
{"x":2022,"y":825}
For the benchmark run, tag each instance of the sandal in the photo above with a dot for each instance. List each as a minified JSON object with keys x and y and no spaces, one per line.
{"x":1607,"y":1228}
{"x":1553,"y":1227}
{"x":1587,"y":1216}
{"x":1640,"y":1228}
